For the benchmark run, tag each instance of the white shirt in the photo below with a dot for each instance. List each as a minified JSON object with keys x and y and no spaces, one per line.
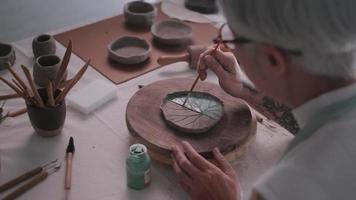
{"x":324,"y":165}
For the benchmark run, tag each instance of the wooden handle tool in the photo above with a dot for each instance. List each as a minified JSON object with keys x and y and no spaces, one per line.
{"x":20,"y":178}
{"x":69,"y":157}
{"x":25,"y":176}
{"x":25,"y":187}
{"x":166,"y":60}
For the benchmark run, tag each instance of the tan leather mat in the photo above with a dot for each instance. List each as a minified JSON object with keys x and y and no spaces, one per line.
{"x":91,"y":41}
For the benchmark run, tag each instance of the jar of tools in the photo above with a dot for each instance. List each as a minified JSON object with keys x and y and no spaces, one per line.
{"x":138,"y":165}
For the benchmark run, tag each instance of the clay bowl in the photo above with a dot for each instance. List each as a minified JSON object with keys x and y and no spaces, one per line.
{"x":139,"y":14}
{"x":7,"y":56}
{"x":129,"y":50}
{"x":201,"y":111}
{"x":171,"y":32}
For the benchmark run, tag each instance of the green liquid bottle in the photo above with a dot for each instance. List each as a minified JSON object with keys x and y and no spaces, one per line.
{"x":138,"y":165}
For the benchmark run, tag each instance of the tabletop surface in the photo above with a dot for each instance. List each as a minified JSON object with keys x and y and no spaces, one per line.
{"x":102,"y":141}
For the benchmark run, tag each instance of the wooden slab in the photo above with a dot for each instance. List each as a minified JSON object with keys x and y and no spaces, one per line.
{"x":144,"y":120}
{"x":91,"y":41}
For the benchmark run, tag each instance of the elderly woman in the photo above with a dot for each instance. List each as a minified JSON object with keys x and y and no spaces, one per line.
{"x":302,"y":53}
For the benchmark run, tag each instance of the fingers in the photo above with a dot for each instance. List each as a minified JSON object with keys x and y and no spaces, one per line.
{"x":185,"y":180}
{"x":215,"y":66}
{"x":196,"y":158}
{"x":227,"y":60}
{"x":222,"y":163}
{"x":183,"y":162}
{"x":201,"y":66}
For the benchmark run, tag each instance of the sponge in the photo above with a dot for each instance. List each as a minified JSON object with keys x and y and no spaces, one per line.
{"x":92,"y":96}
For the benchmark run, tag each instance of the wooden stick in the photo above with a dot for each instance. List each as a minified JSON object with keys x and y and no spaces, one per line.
{"x":63,"y":67}
{"x":70,"y":85}
{"x":49,"y":88}
{"x":19,"y":87}
{"x":23,"y":85}
{"x":25,"y":187}
{"x":17,"y":112}
{"x":68,"y":177}
{"x":191,"y":89}
{"x":13,"y":87}
{"x":166,"y":60}
{"x":9,"y":96}
{"x":33,"y":87}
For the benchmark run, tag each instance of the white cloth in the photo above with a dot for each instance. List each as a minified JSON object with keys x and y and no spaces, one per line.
{"x":322,"y":166}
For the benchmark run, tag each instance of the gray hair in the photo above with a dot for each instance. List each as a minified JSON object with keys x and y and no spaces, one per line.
{"x":323,"y":30}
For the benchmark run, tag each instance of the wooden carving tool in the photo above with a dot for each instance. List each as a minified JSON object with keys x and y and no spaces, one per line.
{"x":36,"y":176}
{"x":9,"y":96}
{"x":63,"y":67}
{"x":24,"y":177}
{"x":69,"y":157}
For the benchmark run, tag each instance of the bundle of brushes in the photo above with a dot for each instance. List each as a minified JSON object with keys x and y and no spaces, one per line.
{"x":29,"y":91}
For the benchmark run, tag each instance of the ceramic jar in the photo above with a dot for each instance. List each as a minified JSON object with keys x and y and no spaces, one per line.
{"x":43,"y":45}
{"x":47,"y":121}
{"x":138,"y":165}
{"x":45,"y":69}
{"x":139,"y":14}
{"x":7,"y":56}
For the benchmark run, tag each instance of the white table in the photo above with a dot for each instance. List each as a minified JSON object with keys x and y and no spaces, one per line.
{"x":102,"y":140}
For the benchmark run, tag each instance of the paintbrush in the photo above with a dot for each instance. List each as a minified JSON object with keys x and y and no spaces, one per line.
{"x":69,"y":157}
{"x":197,"y":78}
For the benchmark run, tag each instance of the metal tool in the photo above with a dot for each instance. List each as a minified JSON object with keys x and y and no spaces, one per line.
{"x":35,"y":175}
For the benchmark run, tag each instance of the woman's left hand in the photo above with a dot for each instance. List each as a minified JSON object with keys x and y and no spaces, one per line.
{"x":203,"y":180}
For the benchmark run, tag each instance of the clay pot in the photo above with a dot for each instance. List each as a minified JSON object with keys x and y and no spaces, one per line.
{"x":139,"y":14}
{"x":7,"y":56}
{"x":171,"y":32}
{"x":43,"y":45}
{"x":47,"y":121}
{"x":46,"y":68}
{"x":129,"y":50}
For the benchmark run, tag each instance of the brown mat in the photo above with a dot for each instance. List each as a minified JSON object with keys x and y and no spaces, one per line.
{"x":91,"y":41}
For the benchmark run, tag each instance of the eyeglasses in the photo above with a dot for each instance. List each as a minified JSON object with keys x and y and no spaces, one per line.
{"x":227,"y":38}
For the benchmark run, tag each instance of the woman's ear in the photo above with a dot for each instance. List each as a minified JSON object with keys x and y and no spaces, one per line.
{"x":275,"y":58}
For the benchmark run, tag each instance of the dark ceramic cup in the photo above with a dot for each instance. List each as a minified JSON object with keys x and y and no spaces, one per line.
{"x":45,"y":69}
{"x":43,"y":45}
{"x":139,"y":14}
{"x":47,"y":121}
{"x":7,"y":56}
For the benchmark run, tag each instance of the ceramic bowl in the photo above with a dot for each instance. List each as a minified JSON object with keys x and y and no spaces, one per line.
{"x":43,"y":45}
{"x":45,"y":69}
{"x":139,"y":14}
{"x":171,"y":32}
{"x":7,"y":56}
{"x":129,"y":50}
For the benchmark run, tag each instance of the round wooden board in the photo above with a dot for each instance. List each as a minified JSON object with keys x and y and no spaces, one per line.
{"x":145,"y":122}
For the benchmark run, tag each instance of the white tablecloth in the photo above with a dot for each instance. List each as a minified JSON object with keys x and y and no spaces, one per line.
{"x":102,"y":140}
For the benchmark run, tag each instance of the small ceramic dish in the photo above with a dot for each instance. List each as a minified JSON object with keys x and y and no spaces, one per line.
{"x":129,"y":50}
{"x":139,"y":14}
{"x":7,"y":56}
{"x":171,"y":32}
{"x":201,"y":111}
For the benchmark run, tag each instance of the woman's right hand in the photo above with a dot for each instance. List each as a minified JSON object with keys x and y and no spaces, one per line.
{"x":225,"y":66}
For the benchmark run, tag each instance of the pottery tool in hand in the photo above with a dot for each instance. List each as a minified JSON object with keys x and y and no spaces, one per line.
{"x":69,"y":157}
{"x":33,"y":176}
{"x":197,"y":78}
